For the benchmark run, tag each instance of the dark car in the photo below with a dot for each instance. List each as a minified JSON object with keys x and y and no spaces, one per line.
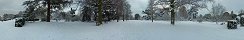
{"x":19,"y":22}
{"x":231,"y":24}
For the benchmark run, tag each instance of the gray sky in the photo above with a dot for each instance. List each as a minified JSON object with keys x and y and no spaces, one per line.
{"x":230,"y":5}
{"x":10,"y":6}
{"x":234,"y":5}
{"x":138,"y":5}
{"x":14,"y":6}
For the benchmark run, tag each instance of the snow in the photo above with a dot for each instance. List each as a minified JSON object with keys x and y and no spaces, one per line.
{"x":127,"y":30}
{"x":233,"y":20}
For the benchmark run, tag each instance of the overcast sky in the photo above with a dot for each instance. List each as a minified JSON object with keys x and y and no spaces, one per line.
{"x":230,"y":5}
{"x":10,"y":6}
{"x":138,"y":6}
{"x":14,"y":6}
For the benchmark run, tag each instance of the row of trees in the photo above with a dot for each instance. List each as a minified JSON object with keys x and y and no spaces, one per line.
{"x":44,"y":8}
{"x":218,"y":13}
{"x":86,"y":10}
{"x":111,"y":9}
{"x":186,"y":10}
{"x":175,"y":8}
{"x":105,"y":10}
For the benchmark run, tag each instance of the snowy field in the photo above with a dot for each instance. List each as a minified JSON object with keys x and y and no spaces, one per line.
{"x":128,"y":30}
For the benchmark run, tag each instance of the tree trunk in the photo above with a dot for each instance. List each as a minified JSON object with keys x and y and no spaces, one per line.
{"x":48,"y":11}
{"x":118,"y":18}
{"x":152,"y":16}
{"x":172,"y":12}
{"x":100,"y":13}
{"x":123,"y":17}
{"x":172,"y":17}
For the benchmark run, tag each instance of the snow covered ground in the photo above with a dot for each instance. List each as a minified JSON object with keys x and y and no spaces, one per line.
{"x":127,"y":30}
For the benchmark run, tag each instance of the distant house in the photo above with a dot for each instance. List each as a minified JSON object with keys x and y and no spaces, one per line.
{"x":226,"y":16}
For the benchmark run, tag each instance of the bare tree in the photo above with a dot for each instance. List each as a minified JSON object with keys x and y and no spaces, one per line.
{"x":175,"y":5}
{"x":216,"y":10}
{"x":150,"y":8}
{"x":182,"y":14}
{"x":104,"y":10}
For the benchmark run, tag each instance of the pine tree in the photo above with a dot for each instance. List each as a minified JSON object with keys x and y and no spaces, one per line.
{"x":48,"y":5}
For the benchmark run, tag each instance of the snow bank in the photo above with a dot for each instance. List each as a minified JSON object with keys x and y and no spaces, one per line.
{"x":128,"y":30}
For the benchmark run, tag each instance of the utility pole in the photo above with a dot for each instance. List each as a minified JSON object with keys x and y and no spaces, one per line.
{"x":99,"y":21}
{"x":172,"y":2}
{"x":48,"y":11}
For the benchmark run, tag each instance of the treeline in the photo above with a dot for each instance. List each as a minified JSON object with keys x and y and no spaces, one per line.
{"x":77,"y":10}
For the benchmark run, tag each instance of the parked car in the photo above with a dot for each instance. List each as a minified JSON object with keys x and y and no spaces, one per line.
{"x":19,"y":22}
{"x":232,"y":24}
{"x":242,"y":21}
